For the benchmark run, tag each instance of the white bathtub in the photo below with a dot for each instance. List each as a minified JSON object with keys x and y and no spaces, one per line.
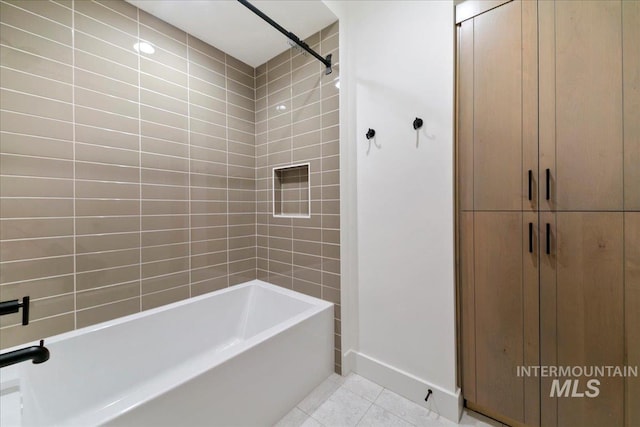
{"x":242,"y":356}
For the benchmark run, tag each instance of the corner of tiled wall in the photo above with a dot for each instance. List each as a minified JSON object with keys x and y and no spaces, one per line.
{"x":296,"y":122}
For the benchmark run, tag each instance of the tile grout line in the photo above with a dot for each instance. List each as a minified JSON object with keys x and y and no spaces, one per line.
{"x":226,"y":139}
{"x":484,"y":421}
{"x":255,"y":176}
{"x":139,"y":171}
{"x":365,"y":413}
{"x":116,"y":80}
{"x":96,"y":55}
{"x":322,"y":293}
{"x":46,"y":18}
{"x":291,"y":151}
{"x":101,"y":39}
{"x":73,"y":121}
{"x":270,"y":198}
{"x":189,"y":160}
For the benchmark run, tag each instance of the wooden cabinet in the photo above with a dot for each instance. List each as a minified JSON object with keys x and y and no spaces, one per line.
{"x":631,"y":90}
{"x":497,"y":111}
{"x":551,"y":87}
{"x":498,"y":271}
{"x":590,"y":311}
{"x":586,"y":57}
{"x":632,"y":313}
{"x":497,"y":107}
{"x":589,"y":69}
{"x":588,"y":141}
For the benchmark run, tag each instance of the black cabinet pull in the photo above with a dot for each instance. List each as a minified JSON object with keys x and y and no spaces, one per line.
{"x":548,"y":238}
{"x":548,"y":179}
{"x":530,"y":237}
{"x":530,"y":179}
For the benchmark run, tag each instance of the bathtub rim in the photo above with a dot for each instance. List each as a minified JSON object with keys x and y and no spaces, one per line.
{"x":318,"y":304}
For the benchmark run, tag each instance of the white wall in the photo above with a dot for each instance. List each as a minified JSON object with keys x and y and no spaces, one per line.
{"x":397,"y":62}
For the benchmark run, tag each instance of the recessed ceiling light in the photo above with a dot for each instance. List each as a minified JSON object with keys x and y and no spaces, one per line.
{"x":281,"y":107}
{"x":144,"y":47}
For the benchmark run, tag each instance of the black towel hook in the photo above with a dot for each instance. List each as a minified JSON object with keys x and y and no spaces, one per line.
{"x":417,"y":123}
{"x":370,"y":133}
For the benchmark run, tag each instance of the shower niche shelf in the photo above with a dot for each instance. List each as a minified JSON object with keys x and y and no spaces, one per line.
{"x":291,"y":190}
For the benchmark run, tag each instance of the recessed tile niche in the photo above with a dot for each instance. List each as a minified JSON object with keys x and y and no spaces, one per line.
{"x":291,"y":191}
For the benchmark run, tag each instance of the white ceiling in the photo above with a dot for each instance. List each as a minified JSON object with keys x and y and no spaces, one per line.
{"x":231,"y":27}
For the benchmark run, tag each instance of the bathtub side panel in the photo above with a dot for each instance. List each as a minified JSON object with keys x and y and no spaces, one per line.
{"x":254,"y":388}
{"x":118,"y":358}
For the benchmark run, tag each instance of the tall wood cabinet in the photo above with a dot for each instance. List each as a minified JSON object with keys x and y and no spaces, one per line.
{"x":548,"y":184}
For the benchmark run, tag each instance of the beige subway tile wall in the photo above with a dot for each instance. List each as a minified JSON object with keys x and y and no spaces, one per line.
{"x":37,"y":153}
{"x":297,"y":122}
{"x":127,"y":178}
{"x":131,"y":180}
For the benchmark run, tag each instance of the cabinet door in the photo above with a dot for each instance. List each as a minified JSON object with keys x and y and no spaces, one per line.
{"x":632,"y":314}
{"x":499,"y":317}
{"x":548,"y":314}
{"x":467,"y":305}
{"x":531,"y":314}
{"x":465,"y":115}
{"x":631,"y":75}
{"x":497,"y":109}
{"x":581,"y":50}
{"x":589,"y":313}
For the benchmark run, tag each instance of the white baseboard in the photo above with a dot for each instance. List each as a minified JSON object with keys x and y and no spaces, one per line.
{"x":348,"y":362}
{"x":444,"y":402}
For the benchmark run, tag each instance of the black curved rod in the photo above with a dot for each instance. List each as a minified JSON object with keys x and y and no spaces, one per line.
{"x":35,"y":353}
{"x":326,"y":61}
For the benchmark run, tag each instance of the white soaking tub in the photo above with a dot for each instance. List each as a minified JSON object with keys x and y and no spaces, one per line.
{"x":241,"y":356}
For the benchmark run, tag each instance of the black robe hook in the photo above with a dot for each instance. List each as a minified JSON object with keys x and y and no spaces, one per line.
{"x":370,"y":133}
{"x":417,"y":123}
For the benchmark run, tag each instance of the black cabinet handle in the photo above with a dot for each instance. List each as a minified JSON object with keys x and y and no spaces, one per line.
{"x":548,"y":179}
{"x":530,"y":237}
{"x":548,"y":238}
{"x":530,"y":183}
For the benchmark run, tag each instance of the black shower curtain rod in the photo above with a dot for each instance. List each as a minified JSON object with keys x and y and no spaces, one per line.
{"x":326,"y":61}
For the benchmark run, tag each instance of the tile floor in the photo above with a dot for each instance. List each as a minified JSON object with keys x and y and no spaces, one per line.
{"x":356,"y":401}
